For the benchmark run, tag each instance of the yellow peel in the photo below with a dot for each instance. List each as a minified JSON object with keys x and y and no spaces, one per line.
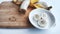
{"x":34,"y":1}
{"x":38,"y":6}
{"x":33,"y":4}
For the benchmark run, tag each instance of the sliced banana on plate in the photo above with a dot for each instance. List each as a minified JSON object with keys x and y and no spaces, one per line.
{"x":36,"y":17}
{"x":42,"y":22}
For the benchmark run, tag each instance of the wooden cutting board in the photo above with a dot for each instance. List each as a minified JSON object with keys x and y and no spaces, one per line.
{"x":11,"y":17}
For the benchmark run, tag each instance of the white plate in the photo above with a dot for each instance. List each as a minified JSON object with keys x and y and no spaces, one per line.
{"x":40,"y":10}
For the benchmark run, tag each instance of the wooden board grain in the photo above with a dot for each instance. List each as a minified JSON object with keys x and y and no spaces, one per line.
{"x":10,"y":17}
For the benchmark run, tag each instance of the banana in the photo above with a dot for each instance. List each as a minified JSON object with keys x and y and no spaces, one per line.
{"x":38,"y":6}
{"x":33,"y":1}
{"x":33,"y":4}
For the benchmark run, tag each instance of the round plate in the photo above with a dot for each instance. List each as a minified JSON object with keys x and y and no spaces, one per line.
{"x":50,"y":17}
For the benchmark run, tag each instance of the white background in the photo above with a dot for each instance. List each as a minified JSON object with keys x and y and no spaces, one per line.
{"x":56,"y":30}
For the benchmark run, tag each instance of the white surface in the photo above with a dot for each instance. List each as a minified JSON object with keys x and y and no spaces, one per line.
{"x":55,"y":30}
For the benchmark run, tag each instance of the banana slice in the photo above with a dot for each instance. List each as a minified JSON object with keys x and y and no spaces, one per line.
{"x":36,"y":17}
{"x":42,"y":23}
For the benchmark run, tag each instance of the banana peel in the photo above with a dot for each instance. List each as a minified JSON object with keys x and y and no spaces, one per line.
{"x":33,"y":4}
{"x":33,"y":1}
{"x":38,"y":6}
